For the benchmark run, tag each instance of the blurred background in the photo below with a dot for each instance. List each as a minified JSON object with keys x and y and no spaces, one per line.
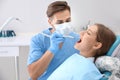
{"x":32,"y":14}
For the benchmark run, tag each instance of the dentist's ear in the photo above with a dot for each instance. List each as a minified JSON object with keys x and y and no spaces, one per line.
{"x":98,"y":45}
{"x":50,"y":22}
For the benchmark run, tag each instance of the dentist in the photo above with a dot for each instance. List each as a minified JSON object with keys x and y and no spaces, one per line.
{"x":45,"y":54}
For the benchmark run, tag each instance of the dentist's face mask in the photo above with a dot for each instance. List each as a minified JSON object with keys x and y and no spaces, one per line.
{"x":65,"y":28}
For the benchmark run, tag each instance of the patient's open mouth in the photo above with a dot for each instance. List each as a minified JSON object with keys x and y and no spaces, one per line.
{"x":79,"y":41}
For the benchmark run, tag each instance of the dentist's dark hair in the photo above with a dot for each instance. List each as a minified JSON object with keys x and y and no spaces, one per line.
{"x":57,"y":6}
{"x":106,"y":37}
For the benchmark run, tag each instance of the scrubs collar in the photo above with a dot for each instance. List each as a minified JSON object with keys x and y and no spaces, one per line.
{"x":91,"y":59}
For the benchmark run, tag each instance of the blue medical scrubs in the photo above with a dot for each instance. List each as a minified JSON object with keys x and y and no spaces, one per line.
{"x":41,"y":43}
{"x":76,"y":67}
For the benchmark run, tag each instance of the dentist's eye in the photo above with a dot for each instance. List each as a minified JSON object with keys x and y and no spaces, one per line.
{"x":59,"y":22}
{"x":68,"y":20}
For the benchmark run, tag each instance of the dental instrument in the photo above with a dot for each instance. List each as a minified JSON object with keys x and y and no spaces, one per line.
{"x":63,"y":35}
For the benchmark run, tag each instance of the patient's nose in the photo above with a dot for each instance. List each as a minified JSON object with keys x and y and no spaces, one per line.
{"x":82,"y":33}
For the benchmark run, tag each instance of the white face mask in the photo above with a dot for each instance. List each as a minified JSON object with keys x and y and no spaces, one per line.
{"x":65,"y":28}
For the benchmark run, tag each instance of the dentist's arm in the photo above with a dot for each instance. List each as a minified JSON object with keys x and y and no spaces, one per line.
{"x":37,"y":68}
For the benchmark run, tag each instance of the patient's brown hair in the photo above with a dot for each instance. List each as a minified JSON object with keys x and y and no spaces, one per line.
{"x":106,"y":37}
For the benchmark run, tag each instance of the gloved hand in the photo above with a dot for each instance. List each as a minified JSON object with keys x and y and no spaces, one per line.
{"x":55,"y":40}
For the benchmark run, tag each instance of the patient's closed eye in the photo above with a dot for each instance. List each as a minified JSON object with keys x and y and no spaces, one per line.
{"x":88,"y":32}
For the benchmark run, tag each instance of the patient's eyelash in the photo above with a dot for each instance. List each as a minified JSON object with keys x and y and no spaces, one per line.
{"x":88,"y":32}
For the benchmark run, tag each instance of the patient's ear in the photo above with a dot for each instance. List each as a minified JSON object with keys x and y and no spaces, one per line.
{"x":98,"y":45}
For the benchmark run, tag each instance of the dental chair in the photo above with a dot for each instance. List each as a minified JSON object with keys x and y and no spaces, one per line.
{"x":110,"y":53}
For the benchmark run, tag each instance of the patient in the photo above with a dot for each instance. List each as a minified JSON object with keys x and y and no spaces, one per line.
{"x":94,"y":42}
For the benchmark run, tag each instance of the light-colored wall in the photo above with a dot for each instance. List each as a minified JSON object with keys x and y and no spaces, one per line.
{"x":101,"y":11}
{"x":33,"y":13}
{"x":33,"y":16}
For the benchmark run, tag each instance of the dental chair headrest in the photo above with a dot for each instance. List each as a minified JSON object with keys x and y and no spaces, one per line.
{"x":113,"y":47}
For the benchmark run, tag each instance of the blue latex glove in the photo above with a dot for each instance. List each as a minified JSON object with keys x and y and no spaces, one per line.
{"x":55,"y":41}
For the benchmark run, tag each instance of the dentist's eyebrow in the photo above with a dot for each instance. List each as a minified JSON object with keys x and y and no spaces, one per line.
{"x":59,"y":22}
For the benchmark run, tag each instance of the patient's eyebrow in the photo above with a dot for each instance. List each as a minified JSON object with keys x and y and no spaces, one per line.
{"x":93,"y":32}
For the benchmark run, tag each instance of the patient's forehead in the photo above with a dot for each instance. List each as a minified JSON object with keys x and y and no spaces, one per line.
{"x":93,"y":29}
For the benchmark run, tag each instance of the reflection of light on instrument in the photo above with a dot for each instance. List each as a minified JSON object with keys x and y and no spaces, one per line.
{"x":86,"y":26}
{"x":63,"y":36}
{"x":8,"y":21}
{"x":88,"y":23}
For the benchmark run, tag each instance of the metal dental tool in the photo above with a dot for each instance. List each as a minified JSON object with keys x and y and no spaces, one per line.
{"x":49,"y":35}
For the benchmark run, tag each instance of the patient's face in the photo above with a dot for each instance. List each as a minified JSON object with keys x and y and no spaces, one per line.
{"x":88,"y":40}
